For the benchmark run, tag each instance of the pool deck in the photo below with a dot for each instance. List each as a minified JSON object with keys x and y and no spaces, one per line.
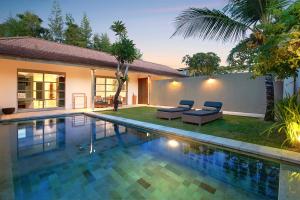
{"x":259,"y":150}
{"x":47,"y":113}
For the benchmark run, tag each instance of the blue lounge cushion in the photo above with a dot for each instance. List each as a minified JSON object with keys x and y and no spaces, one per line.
{"x":178,"y":109}
{"x":214,"y":104}
{"x":201,"y":112}
{"x":186,"y":103}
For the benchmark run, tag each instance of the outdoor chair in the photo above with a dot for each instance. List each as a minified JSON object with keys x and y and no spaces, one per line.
{"x":210,"y":112}
{"x":173,"y":113}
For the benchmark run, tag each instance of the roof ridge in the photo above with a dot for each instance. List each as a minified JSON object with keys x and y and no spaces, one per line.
{"x":105,"y":53}
{"x":70,"y":45}
{"x":157,"y":64}
{"x":44,"y":40}
{"x":98,"y":55}
{"x":15,"y":37}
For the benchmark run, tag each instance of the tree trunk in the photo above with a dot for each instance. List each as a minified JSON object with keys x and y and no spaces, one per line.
{"x":269,"y":115}
{"x":295,"y":85}
{"x":116,"y":97}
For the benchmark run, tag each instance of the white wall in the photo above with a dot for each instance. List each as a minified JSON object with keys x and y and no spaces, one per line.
{"x":78,"y":80}
{"x":288,"y":86}
{"x":238,"y":92}
{"x":132,"y":87}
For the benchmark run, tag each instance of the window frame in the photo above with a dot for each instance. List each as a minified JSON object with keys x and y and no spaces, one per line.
{"x":43,"y":99}
{"x":105,"y":88}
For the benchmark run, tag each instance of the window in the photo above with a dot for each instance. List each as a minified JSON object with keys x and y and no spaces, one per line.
{"x":106,"y":89}
{"x":40,"y":90}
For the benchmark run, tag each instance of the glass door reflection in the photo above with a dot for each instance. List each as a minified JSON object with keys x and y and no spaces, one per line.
{"x":40,"y":136}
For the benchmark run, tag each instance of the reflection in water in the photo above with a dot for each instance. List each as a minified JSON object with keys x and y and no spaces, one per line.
{"x":173,"y":143}
{"x":39,"y":136}
{"x":294,"y":180}
{"x":248,"y":173}
{"x":104,"y":135}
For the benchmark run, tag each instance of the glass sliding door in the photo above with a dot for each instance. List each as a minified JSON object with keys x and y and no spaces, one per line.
{"x":37,"y":90}
{"x":105,"y":91}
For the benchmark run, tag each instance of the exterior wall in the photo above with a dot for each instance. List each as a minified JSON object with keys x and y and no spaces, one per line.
{"x":289,"y":85}
{"x":78,"y":80}
{"x":132,"y":88}
{"x":238,"y":92}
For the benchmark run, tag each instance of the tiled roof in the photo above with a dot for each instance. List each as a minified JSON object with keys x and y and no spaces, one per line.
{"x":35,"y":48}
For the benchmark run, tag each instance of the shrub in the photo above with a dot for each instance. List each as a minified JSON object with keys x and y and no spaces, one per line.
{"x":287,"y":114}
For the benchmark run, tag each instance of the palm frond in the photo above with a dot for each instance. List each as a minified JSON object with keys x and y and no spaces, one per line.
{"x":252,"y":11}
{"x":209,"y":24}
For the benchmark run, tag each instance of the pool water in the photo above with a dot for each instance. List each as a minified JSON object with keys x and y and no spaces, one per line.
{"x":79,"y":157}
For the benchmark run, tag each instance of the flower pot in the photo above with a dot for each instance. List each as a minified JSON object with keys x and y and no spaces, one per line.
{"x":8,"y":111}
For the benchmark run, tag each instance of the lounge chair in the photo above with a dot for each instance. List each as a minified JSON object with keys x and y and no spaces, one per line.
{"x":210,"y":112}
{"x":173,"y":113}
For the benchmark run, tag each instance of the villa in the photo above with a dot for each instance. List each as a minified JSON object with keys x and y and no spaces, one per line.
{"x":36,"y":74}
{"x":56,"y":145}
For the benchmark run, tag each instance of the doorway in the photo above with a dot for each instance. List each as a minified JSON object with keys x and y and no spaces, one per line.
{"x":143,"y":91}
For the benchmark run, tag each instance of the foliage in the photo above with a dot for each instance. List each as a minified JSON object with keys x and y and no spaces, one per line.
{"x":29,"y":24}
{"x":102,"y":42}
{"x":280,"y":52}
{"x":282,"y":58}
{"x":123,"y":49}
{"x":241,"y":57}
{"x":119,"y":28}
{"x":287,"y":113}
{"x":231,"y":23}
{"x":86,"y":32}
{"x":72,"y":33}
{"x":208,"y":24}
{"x":25,"y":24}
{"x":274,"y":47}
{"x":202,"y":63}
{"x":56,"y":23}
{"x":139,"y":54}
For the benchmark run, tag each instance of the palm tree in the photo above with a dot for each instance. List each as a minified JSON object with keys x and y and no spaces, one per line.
{"x":237,"y":20}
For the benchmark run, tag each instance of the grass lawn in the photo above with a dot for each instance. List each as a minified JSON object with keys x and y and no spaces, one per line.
{"x":246,"y":129}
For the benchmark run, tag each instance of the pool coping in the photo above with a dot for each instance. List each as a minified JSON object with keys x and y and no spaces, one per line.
{"x":260,"y":150}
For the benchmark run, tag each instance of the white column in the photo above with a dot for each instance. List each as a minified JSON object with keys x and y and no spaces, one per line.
{"x":93,"y":89}
{"x":149,"y":89}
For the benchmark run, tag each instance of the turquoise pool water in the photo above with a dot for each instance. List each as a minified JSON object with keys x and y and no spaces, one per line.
{"x":78,"y":157}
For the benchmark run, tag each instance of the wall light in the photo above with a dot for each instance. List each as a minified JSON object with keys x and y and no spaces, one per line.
{"x":211,"y":80}
{"x":175,"y":83}
{"x":173,"y":143}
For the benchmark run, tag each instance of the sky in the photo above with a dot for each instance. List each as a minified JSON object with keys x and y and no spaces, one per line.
{"x":150,"y":23}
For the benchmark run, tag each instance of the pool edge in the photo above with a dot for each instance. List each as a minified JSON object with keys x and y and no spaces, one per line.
{"x":265,"y":151}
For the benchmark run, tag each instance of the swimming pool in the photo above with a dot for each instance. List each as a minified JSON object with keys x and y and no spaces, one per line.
{"x":79,"y":157}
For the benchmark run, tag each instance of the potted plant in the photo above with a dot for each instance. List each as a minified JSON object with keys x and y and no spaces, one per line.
{"x":8,"y":111}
